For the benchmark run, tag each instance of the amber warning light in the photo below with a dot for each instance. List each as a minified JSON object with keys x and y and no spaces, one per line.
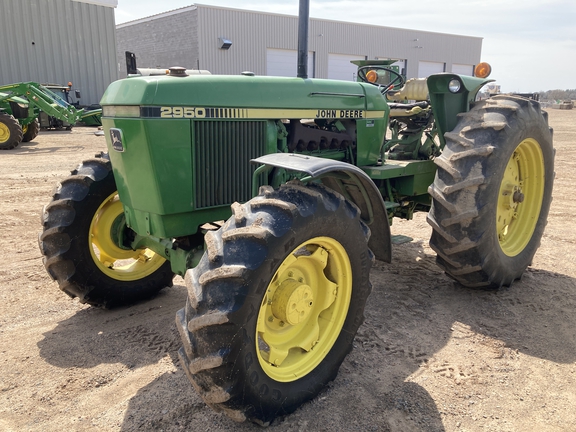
{"x":482,"y":70}
{"x":372,"y":76}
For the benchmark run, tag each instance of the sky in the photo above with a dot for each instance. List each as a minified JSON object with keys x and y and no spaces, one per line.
{"x":530,"y":44}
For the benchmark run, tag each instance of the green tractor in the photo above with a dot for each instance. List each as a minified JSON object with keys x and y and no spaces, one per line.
{"x":21,"y":105}
{"x":276,"y":254}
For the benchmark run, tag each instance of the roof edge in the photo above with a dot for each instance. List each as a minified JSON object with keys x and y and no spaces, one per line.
{"x":157,"y":16}
{"x":106,"y":3}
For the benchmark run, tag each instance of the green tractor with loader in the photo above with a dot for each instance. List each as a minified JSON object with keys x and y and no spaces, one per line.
{"x":276,"y":254}
{"x":22,"y":104}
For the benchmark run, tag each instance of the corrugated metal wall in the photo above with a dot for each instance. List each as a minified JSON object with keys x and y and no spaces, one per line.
{"x":253,"y":32}
{"x":250,"y":32}
{"x":57,"y":41}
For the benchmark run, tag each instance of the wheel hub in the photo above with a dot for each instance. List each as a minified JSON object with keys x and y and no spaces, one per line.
{"x":292,"y":301}
{"x":303,"y":309}
{"x":4,"y":133}
{"x":113,"y":259}
{"x":520,"y":197}
{"x":511,"y":196}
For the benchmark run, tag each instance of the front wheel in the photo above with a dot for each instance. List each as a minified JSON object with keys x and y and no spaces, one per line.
{"x":79,"y":246}
{"x":30,"y":131}
{"x":275,"y":303}
{"x":492,"y":192}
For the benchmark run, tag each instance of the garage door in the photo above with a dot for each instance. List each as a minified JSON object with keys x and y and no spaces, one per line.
{"x":340,"y":68}
{"x":463,"y":69}
{"x":426,"y":69}
{"x":280,"y":62}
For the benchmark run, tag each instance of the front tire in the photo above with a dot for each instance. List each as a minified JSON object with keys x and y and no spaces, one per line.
{"x":10,"y":132}
{"x":492,"y":192}
{"x":275,"y":302}
{"x":31,"y":131}
{"x":78,"y":248}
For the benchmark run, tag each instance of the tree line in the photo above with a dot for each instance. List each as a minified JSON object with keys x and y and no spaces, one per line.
{"x":558,"y":95}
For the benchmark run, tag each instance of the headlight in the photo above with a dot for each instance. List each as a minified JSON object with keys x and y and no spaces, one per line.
{"x":120,"y":111}
{"x":454,"y":86}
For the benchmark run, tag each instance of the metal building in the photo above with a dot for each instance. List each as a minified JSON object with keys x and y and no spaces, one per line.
{"x":59,"y":41}
{"x":229,"y":41}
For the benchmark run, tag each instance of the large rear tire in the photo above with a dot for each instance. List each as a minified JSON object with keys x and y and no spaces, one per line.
{"x":79,"y":250}
{"x":30,"y":131}
{"x":10,"y":132}
{"x":275,"y":302}
{"x":492,"y":192}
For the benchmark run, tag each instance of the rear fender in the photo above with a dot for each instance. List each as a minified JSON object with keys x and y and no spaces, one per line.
{"x":346,"y":179}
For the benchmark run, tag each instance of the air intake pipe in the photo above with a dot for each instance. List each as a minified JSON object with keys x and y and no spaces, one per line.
{"x":303,"y":19}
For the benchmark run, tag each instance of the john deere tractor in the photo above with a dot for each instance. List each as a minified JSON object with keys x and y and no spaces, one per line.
{"x":276,"y":253}
{"x":22,"y":103}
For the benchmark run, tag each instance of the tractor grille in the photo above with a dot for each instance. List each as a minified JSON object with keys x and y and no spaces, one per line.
{"x":222,"y":153}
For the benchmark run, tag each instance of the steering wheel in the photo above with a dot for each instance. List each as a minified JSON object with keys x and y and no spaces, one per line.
{"x":396,"y":80}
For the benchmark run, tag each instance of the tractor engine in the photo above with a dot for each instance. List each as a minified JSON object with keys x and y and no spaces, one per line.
{"x":318,"y":135}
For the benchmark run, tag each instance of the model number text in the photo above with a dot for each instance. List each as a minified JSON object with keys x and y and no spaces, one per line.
{"x":182,"y":112}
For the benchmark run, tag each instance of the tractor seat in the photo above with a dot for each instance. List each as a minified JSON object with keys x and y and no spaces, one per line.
{"x":414,"y":89}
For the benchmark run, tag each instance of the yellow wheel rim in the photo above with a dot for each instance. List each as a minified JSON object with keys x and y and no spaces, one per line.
{"x":4,"y":133}
{"x":304,"y":309}
{"x":117,"y":263}
{"x":520,"y":197}
{"x":24,"y":129}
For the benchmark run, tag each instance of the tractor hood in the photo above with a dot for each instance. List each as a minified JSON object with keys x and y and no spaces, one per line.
{"x":180,"y":146}
{"x":243,"y":91}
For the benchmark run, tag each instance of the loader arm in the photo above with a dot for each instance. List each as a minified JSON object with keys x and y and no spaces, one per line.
{"x":41,"y":98}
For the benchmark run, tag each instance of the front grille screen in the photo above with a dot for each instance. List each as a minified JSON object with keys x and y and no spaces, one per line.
{"x":222,"y":153}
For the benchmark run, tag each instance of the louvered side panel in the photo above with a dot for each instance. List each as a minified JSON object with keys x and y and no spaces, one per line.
{"x":222,"y":153}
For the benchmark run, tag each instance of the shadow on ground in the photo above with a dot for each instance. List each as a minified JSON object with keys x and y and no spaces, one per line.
{"x":412,"y":313}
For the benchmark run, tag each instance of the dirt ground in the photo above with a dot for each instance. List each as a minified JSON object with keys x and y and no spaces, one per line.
{"x":431,"y":355}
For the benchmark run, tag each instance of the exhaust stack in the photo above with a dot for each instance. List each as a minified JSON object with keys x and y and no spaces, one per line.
{"x":303,"y":19}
